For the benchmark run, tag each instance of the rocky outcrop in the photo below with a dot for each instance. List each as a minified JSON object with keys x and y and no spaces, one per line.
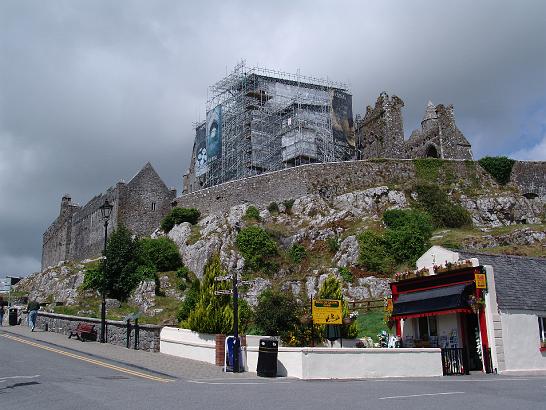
{"x":503,"y":210}
{"x":525,"y":236}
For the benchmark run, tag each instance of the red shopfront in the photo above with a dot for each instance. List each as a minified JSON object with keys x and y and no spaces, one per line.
{"x":445,"y":310}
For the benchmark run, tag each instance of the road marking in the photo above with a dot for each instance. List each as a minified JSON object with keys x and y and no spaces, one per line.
{"x":230,"y":383}
{"x":92,"y":361}
{"x":421,"y":395}
{"x":449,"y":380}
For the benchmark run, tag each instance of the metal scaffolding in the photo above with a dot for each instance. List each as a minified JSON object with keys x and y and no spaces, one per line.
{"x":271,"y":120}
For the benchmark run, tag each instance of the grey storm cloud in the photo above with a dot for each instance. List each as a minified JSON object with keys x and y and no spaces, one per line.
{"x":91,"y":91}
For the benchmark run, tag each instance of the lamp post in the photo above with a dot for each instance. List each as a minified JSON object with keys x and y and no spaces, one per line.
{"x":105,"y":210}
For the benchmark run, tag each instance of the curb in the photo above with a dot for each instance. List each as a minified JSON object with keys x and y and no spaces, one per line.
{"x":96,"y":356}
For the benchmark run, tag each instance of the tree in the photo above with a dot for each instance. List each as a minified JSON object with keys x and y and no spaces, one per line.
{"x":212,"y":313}
{"x":117,"y":275}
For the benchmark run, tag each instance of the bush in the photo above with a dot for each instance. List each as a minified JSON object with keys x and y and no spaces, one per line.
{"x":406,"y":244}
{"x":177,"y":216}
{"x":297,"y":252}
{"x":331,"y":289}
{"x":256,"y":246}
{"x":374,"y":255}
{"x":346,"y":274}
{"x":184,"y":276}
{"x":276,"y":312}
{"x":253,"y":213}
{"x":288,"y":203}
{"x":398,"y":218}
{"x":438,"y":205}
{"x":273,"y":207}
{"x":190,"y":300}
{"x":499,"y":168}
{"x":333,"y":244}
{"x":161,"y":253}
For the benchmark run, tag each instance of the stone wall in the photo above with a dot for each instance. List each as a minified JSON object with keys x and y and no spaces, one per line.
{"x":116,"y":331}
{"x":331,"y":179}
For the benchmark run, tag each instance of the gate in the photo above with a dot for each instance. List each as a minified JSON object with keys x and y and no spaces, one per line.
{"x":454,"y":361}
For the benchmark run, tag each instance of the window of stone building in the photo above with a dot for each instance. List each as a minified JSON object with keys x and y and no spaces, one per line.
{"x":153,"y":206}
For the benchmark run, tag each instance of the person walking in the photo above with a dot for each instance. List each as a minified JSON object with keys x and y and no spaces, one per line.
{"x":32,"y":309}
{"x":2,"y":311}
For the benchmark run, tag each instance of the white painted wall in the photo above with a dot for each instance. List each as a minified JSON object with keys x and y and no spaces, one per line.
{"x":188,"y":344}
{"x":316,"y":362}
{"x":521,"y":341}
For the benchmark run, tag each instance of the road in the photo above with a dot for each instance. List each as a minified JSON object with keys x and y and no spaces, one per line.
{"x":38,"y":375}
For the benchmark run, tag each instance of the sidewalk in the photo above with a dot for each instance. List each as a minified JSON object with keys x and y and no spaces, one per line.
{"x":154,"y":362}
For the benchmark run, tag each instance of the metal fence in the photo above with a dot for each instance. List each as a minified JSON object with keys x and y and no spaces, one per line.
{"x":454,"y":361}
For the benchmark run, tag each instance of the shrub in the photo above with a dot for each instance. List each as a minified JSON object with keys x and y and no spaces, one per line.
{"x":276,"y":312}
{"x":374,"y":255}
{"x":499,"y":168}
{"x":256,"y":246}
{"x":398,"y":218}
{"x":297,"y":252}
{"x":161,"y":253}
{"x":252,"y":213}
{"x":333,"y":244}
{"x":273,"y":207}
{"x":331,"y":289}
{"x":184,"y":276}
{"x":346,"y":274}
{"x":190,"y":300}
{"x":288,"y":203}
{"x":443,"y":211}
{"x":406,"y":244}
{"x":178,"y":215}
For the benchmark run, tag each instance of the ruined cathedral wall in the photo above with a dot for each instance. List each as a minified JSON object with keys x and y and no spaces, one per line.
{"x":56,"y":241}
{"x":530,"y":177}
{"x":88,"y":226}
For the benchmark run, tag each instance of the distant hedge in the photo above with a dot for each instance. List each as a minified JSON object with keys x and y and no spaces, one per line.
{"x":499,"y":168}
{"x":179,"y":215}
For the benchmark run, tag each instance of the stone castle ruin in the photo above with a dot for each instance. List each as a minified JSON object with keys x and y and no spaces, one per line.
{"x":78,"y":231}
{"x":260,"y":120}
{"x":380,"y":134}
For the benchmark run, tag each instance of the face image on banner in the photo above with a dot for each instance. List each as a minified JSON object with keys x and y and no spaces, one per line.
{"x":201,"y":150}
{"x":214,"y":133}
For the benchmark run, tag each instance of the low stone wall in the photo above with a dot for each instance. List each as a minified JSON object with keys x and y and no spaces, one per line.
{"x":313,"y":362}
{"x":116,"y":331}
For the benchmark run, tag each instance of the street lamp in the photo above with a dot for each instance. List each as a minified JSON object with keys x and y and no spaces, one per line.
{"x":105,"y":211}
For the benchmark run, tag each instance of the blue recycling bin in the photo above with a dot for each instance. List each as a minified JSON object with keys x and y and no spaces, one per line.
{"x":230,"y":348}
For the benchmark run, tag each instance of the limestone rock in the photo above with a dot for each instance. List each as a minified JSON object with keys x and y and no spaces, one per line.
{"x":502,"y":210}
{"x":112,"y":303}
{"x":144,"y":295}
{"x":370,"y":201}
{"x":180,"y":234}
{"x":348,"y":252}
{"x":257,"y":287}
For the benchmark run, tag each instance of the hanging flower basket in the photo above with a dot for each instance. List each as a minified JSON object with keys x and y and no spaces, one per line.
{"x":476,"y":303}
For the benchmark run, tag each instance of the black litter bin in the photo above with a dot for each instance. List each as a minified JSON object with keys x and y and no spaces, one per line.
{"x":12,"y":316}
{"x":267,"y":358}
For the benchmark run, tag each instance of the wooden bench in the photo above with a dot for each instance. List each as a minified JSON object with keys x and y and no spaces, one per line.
{"x":83,"y":332}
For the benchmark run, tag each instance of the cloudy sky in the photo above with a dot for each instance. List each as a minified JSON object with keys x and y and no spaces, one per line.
{"x":92,"y":90}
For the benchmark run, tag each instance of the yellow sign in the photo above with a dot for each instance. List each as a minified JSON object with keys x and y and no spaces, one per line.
{"x":481,"y":281}
{"x":389,"y":305}
{"x":327,"y":312}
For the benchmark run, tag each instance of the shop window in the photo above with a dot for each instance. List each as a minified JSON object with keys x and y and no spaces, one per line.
{"x":427,"y":327}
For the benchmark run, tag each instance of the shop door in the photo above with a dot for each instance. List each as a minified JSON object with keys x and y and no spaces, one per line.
{"x":472,"y":342}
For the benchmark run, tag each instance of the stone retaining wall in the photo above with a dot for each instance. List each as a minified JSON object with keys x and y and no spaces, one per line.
{"x":116,"y":331}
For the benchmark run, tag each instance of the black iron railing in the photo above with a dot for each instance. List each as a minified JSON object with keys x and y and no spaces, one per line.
{"x":454,"y":361}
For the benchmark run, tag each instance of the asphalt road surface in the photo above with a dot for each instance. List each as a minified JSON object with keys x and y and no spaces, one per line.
{"x":37,"y":375}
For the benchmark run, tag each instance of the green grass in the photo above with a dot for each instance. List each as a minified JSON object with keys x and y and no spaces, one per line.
{"x":371,"y":323}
